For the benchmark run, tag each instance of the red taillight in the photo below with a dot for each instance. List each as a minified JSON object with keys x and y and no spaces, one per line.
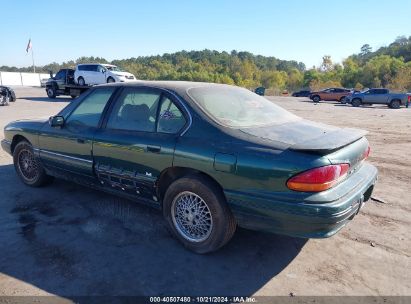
{"x":318,"y":179}
{"x":366,"y":153}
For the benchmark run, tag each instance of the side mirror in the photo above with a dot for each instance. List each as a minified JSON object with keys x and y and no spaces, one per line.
{"x":56,"y":121}
{"x":103,"y":71}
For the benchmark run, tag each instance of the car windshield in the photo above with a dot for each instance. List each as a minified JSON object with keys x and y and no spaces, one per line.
{"x":113,"y":68}
{"x":238,"y":108}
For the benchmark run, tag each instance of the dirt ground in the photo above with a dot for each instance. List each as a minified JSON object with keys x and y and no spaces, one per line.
{"x":68,"y":240}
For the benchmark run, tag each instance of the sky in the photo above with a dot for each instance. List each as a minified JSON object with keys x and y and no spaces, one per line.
{"x":119,"y":29}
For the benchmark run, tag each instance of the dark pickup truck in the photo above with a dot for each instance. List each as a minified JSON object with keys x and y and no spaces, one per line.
{"x":63,"y":84}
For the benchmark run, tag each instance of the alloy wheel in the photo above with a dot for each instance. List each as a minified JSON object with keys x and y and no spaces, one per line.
{"x":191,"y":217}
{"x":27,"y":165}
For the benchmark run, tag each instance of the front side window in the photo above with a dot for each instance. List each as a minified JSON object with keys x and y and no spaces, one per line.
{"x":237,"y":107}
{"x":170,"y":119}
{"x":100,"y":68}
{"x":60,"y":75}
{"x":88,"y":113}
{"x":135,"y":110}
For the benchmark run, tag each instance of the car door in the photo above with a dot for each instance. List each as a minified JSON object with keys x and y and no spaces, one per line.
{"x":326,"y":94}
{"x":69,"y":147}
{"x":371,"y":96}
{"x":60,"y":78}
{"x":381,"y":96}
{"x":137,"y":141}
{"x":100,"y":75}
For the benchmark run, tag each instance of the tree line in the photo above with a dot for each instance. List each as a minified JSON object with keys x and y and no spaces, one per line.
{"x":388,"y":66}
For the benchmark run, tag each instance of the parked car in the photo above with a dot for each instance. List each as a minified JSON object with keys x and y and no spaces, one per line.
{"x":330,"y":94}
{"x":93,"y":73}
{"x":260,"y":91}
{"x":8,"y":92}
{"x":302,"y":93}
{"x":210,"y":156}
{"x":377,"y":96}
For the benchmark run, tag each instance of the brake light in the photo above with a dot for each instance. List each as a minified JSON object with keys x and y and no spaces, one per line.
{"x":318,"y":179}
{"x":366,"y":153}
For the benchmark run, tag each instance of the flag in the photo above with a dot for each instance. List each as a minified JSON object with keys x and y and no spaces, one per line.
{"x":28,"y":46}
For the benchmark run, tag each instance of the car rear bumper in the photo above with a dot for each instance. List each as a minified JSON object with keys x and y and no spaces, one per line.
{"x":316,"y":215}
{"x":6,"y":145}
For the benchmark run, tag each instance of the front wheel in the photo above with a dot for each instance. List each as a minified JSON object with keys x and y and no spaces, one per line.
{"x":110,"y":80}
{"x":356,"y":102}
{"x":316,"y":98}
{"x":28,"y":167}
{"x":51,"y":92}
{"x":197,"y":214}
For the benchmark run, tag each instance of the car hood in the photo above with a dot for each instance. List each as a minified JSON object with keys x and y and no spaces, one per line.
{"x":25,"y":124}
{"x":305,"y":135}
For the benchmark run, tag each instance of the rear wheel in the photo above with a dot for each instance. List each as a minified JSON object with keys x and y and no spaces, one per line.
{"x":81,"y":81}
{"x":316,"y":98}
{"x":28,"y":167}
{"x":356,"y":102}
{"x":342,"y":99}
{"x":395,"y":104}
{"x":51,"y":92}
{"x":197,"y":214}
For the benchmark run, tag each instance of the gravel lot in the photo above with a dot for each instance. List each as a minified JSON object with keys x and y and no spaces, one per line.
{"x":68,"y":240}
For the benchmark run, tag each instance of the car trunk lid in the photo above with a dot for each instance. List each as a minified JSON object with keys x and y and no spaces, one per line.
{"x":305,"y":135}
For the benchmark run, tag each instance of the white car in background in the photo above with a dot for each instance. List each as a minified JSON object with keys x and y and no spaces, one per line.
{"x":95,"y":73}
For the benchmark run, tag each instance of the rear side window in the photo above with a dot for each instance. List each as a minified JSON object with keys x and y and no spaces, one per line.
{"x":92,"y":68}
{"x":88,"y":113}
{"x":170,"y":119}
{"x":135,"y":110}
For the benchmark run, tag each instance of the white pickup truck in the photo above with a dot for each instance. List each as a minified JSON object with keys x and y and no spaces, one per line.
{"x":377,"y":96}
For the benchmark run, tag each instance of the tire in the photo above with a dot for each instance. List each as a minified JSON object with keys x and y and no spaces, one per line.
{"x":356,"y":102}
{"x":217,"y":217}
{"x":316,"y":98}
{"x":4,"y":100}
{"x":342,"y":99}
{"x":51,"y":92}
{"x":81,"y":81}
{"x":111,"y":80}
{"x":395,"y":104}
{"x":28,"y":167}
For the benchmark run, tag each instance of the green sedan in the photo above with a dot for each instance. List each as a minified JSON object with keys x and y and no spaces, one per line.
{"x":210,"y":156}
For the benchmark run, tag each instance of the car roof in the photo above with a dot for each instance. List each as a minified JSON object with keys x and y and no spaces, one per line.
{"x":179,"y":87}
{"x":94,"y":64}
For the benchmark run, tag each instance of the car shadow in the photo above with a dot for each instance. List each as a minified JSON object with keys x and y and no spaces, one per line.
{"x":46,"y":99}
{"x":364,"y":106}
{"x":70,"y":241}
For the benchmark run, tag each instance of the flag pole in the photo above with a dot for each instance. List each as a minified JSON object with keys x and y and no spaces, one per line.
{"x":32,"y":58}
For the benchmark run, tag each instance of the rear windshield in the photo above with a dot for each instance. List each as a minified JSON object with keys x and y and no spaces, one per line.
{"x":237,"y":107}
